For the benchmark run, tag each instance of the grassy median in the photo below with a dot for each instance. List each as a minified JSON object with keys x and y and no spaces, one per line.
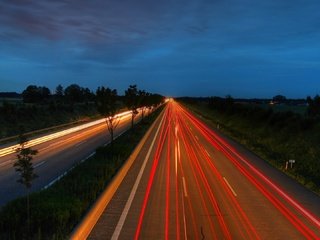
{"x":54,"y":212}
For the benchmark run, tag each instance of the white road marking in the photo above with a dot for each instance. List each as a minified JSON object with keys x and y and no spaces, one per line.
{"x":184,"y":187}
{"x":207,"y":153}
{"x":179,"y":151}
{"x":57,"y":179}
{"x":197,"y":138}
{"x":176,"y":158}
{"x":5,"y":163}
{"x":63,"y":174}
{"x":184,"y":218}
{"x":125,"y":211}
{"x":39,"y":164}
{"x":77,"y":145}
{"x":51,"y":146}
{"x":234,"y":193}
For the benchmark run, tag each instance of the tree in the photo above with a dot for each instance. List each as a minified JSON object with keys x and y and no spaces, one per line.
{"x":144,"y":99}
{"x":59,"y":91}
{"x":313,"y":106}
{"x":35,"y":94}
{"x":44,"y":92}
{"x":87,"y":95}
{"x":24,"y":167}
{"x":279,"y":99}
{"x":156,"y":99}
{"x":74,"y":93}
{"x":106,"y":101}
{"x":132,"y":101}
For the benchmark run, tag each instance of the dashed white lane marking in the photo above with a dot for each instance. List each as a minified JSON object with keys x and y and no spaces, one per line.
{"x":80,"y":143}
{"x":5,"y":163}
{"x":39,"y":164}
{"x":184,"y":218}
{"x":234,"y":193}
{"x":207,"y":153}
{"x":184,"y":187}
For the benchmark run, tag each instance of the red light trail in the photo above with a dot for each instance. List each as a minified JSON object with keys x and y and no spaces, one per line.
{"x":198,"y":199}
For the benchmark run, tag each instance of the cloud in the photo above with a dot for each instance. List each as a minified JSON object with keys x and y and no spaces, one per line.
{"x":173,"y":41}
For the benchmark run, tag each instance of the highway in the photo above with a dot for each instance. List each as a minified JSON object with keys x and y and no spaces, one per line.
{"x":188,"y":181}
{"x":58,"y":152}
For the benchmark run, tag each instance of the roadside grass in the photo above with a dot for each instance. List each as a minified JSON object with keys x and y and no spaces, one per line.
{"x":302,"y":110}
{"x":276,"y":142}
{"x":33,"y":117}
{"x":58,"y":209}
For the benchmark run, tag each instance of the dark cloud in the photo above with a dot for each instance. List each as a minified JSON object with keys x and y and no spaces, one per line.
{"x":161,"y":44}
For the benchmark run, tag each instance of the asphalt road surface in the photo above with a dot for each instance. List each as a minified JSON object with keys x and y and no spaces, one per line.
{"x":55,"y":157}
{"x":189,"y":182}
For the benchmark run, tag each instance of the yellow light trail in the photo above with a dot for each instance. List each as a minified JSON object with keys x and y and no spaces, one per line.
{"x":33,"y":142}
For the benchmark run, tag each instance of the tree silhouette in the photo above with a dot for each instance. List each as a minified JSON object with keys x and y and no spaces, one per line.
{"x":59,"y":91}
{"x":73,"y":93}
{"x":144,"y":99}
{"x":132,"y":101}
{"x":24,"y":167}
{"x":35,"y":94}
{"x":106,"y":101}
{"x":313,"y":106}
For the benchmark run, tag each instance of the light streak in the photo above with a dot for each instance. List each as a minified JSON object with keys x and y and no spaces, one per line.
{"x":176,"y":184}
{"x":43,"y":139}
{"x":190,"y":207}
{"x":205,"y":183}
{"x":167,"y":187}
{"x":163,"y":134}
{"x":184,"y":219}
{"x":237,"y":209}
{"x":125,"y":211}
{"x":216,"y":141}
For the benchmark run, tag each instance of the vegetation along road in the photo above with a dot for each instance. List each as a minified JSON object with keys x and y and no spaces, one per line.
{"x":189,"y":182}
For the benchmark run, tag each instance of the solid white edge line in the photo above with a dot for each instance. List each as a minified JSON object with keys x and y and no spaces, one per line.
{"x":125,"y":211}
{"x":234,"y":193}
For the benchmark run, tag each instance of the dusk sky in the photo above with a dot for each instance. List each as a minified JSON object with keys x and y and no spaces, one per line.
{"x":245,"y":48}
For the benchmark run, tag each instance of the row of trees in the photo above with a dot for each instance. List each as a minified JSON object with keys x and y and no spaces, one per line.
{"x":227,"y":104}
{"x":108,"y":105}
{"x":134,"y":99}
{"x":71,"y":94}
{"x":107,"y":102}
{"x":313,"y":106}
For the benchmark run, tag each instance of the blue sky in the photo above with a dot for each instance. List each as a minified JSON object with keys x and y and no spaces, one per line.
{"x":246,"y":48}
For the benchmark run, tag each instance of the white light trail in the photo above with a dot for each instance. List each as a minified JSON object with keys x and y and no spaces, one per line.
{"x":33,"y":142}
